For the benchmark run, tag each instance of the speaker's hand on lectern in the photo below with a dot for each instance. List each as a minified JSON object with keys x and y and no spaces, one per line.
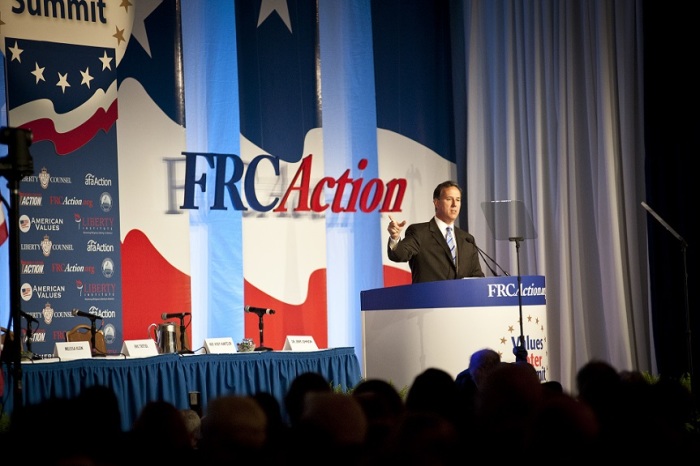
{"x":395,"y":228}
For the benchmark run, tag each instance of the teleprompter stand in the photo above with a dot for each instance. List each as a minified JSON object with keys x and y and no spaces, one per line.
{"x":509,"y":219}
{"x":688,"y":340}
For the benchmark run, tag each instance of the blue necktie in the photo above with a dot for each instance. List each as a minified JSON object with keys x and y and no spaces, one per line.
{"x":451,"y":244}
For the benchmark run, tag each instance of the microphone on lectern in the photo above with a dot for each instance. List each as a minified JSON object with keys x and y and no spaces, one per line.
{"x":493,"y":261}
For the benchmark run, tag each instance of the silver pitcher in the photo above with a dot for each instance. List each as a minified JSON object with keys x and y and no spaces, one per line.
{"x":165,"y":337}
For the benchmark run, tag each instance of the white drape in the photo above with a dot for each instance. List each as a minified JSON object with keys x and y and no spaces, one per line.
{"x":213,"y":125}
{"x":555,"y":120}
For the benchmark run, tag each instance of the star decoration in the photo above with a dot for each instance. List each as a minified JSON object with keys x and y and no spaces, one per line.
{"x":503,"y":340}
{"x":38,"y":73}
{"x":106,"y":62}
{"x":16,"y":52}
{"x":86,"y":77}
{"x":119,"y":35}
{"x":510,"y":328}
{"x":267,"y":7}
{"x":138,"y":29}
{"x":63,"y":82}
{"x":126,"y":4}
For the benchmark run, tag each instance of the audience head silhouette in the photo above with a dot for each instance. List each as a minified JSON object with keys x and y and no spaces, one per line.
{"x":193,"y":423}
{"x":160,"y":423}
{"x":303,"y":384}
{"x":435,"y":391}
{"x":233,"y":427}
{"x":336,"y":417}
{"x":481,"y":363}
{"x":507,"y":405}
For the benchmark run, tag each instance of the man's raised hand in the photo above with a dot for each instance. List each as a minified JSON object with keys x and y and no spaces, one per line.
{"x":395,"y":228}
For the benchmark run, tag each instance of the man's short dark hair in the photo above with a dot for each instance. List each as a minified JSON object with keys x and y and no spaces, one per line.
{"x":444,"y":185}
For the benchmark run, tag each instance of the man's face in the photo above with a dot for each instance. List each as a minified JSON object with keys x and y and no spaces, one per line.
{"x":447,"y":207}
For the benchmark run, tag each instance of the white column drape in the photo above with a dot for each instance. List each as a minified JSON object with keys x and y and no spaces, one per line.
{"x":553,"y":103}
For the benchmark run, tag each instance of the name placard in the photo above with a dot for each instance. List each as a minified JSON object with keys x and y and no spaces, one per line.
{"x":139,"y":348}
{"x":69,"y":350}
{"x":219,"y":345}
{"x":299,"y":343}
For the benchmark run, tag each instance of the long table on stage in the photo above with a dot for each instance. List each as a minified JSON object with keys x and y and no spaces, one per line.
{"x":171,"y":377}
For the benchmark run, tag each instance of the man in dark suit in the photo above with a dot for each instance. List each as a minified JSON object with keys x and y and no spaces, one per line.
{"x":425,"y":245}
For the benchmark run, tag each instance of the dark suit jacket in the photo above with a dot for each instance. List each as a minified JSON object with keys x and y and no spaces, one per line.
{"x":425,"y":249}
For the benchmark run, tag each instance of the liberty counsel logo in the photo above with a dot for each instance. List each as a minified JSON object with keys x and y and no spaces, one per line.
{"x":44,"y":178}
{"x":46,"y":246}
{"x":47,"y":312}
